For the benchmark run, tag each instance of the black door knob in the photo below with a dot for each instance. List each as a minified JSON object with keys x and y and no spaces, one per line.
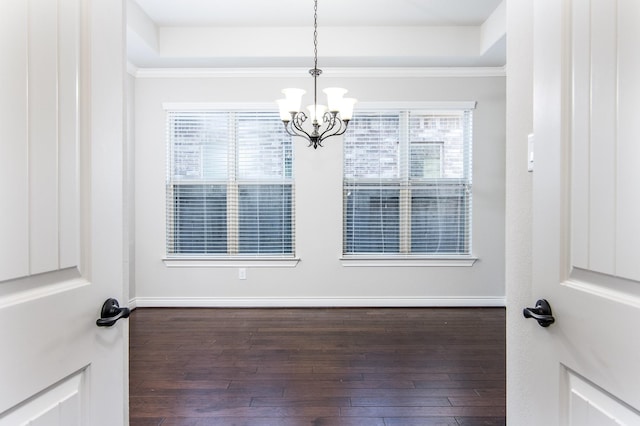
{"x":541,"y":313}
{"x":111,"y":312}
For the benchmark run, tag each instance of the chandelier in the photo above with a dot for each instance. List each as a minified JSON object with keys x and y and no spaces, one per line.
{"x":327,"y":120}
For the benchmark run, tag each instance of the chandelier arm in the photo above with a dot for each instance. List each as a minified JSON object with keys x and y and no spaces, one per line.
{"x":299,"y":134}
{"x":296,"y":124}
{"x":288,"y":128}
{"x":342,"y":130}
{"x":343,"y":127}
{"x":294,"y":128}
{"x":330,"y":121}
{"x":334,"y":130}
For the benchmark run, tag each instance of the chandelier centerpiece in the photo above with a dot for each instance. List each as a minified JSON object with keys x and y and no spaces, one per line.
{"x":326,"y":120}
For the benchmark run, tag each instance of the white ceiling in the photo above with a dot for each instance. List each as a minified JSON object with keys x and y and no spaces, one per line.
{"x":351,"y":33}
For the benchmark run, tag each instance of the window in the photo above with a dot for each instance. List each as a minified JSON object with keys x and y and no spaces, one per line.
{"x":407,"y":183}
{"x":229,"y":189}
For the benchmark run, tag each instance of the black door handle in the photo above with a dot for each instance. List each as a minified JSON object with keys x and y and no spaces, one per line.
{"x":111,"y":312}
{"x":541,"y":313}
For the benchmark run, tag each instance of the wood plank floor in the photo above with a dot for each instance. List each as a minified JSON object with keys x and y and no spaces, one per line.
{"x":334,"y":366}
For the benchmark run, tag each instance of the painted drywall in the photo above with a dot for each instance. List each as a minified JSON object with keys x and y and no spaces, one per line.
{"x":320,"y":278}
{"x":519,"y":209}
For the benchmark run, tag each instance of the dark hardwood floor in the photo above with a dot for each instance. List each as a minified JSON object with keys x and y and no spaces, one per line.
{"x":391,"y":366}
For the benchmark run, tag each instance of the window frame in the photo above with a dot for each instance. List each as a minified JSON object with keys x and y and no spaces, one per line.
{"x":408,"y":259}
{"x":230,"y":260}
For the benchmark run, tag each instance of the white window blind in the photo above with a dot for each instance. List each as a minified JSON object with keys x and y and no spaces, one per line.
{"x":407,"y":183}
{"x":229,"y":189}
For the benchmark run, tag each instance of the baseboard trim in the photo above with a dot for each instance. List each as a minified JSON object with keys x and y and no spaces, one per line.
{"x":308,"y":302}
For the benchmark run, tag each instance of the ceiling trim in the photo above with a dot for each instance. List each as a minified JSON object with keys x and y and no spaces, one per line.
{"x":409,"y":72}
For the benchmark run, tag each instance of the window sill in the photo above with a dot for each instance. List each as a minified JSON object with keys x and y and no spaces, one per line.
{"x":404,"y":261}
{"x":237,"y":262}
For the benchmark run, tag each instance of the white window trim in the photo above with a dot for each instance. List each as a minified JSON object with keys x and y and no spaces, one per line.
{"x":209,"y":261}
{"x":426,"y":105}
{"x":360,"y":106}
{"x":230,"y":262}
{"x":400,"y":260}
{"x":407,"y":261}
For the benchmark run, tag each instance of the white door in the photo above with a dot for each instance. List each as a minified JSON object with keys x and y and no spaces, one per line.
{"x":61,"y":212}
{"x":586,"y":216}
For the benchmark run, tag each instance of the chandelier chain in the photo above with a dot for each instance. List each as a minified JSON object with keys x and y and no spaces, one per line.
{"x":315,"y":35}
{"x":315,"y":72}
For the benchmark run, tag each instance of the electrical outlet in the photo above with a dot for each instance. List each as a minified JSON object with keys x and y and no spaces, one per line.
{"x":242,"y":273}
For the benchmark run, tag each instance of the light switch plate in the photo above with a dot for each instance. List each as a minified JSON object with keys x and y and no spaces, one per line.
{"x":530,"y":139}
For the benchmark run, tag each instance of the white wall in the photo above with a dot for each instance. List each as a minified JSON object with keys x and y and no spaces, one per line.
{"x":320,"y":278}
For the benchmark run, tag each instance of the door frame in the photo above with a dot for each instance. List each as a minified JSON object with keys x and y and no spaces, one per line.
{"x":107,"y":131}
{"x":519,"y":208}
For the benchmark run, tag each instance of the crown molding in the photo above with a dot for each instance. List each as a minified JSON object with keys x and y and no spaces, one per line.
{"x":390,"y":72}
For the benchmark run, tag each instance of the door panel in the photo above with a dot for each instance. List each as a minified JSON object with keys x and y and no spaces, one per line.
{"x":60,"y":405}
{"x":601,"y":127}
{"x":68,"y":132}
{"x":14,"y":226}
{"x":37,"y":354}
{"x":591,"y":406}
{"x":628,"y":148}
{"x":584,"y":261}
{"x":604,"y":143}
{"x":55,"y":228}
